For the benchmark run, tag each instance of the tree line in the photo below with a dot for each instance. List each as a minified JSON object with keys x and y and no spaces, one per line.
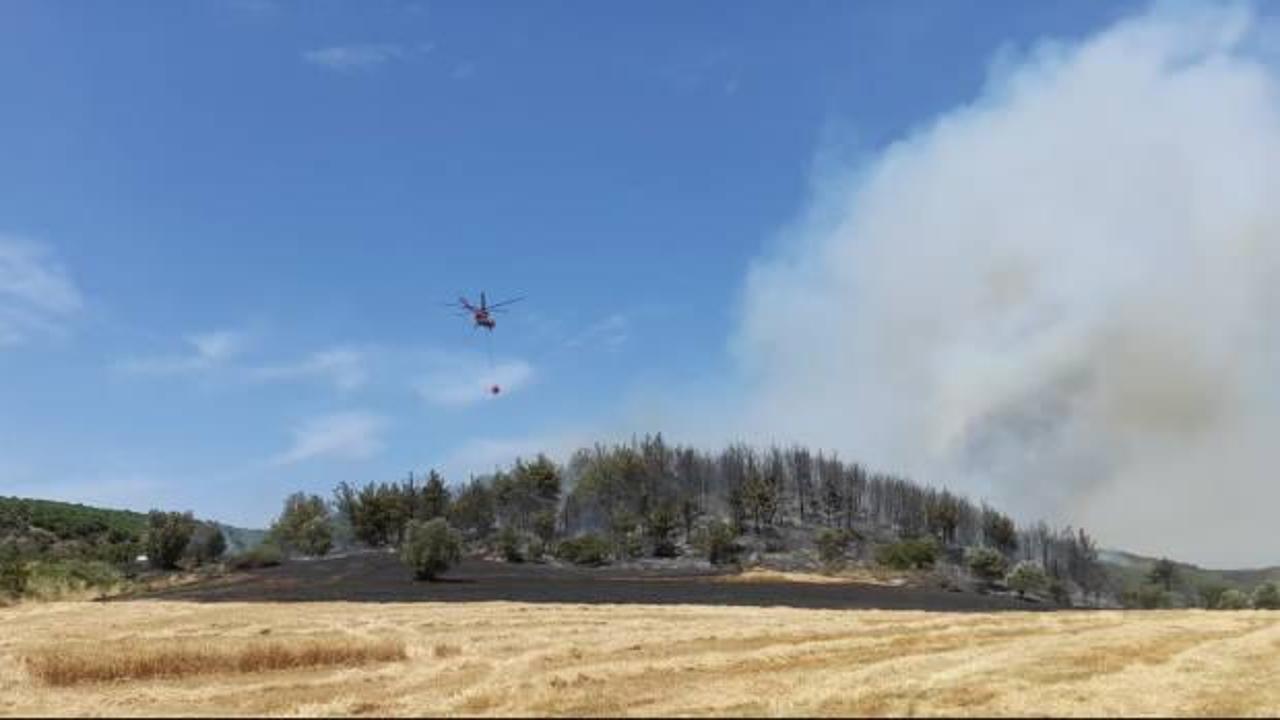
{"x":651,"y":497}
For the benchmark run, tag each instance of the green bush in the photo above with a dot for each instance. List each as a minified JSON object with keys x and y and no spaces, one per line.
{"x":509,"y":545}
{"x":1210,"y":594}
{"x":590,"y":550}
{"x":1026,"y":577}
{"x":1147,"y":597}
{"x":535,"y":549}
{"x":264,"y":555}
{"x":986,"y":564}
{"x":1266,"y":597}
{"x":430,"y":548}
{"x":908,"y":554}
{"x":720,"y":543}
{"x":54,"y":579}
{"x":832,"y":545}
{"x":168,"y":534}
{"x":659,"y":529}
{"x":1233,"y":599}
{"x":14,"y":571}
{"x":207,"y":544}
{"x":1059,"y":592}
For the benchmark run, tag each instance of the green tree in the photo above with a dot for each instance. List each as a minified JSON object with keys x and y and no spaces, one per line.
{"x":1233,"y":599}
{"x":473,"y":510}
{"x":168,"y":534}
{"x":660,"y":527}
{"x":207,"y":543}
{"x":1026,"y":577}
{"x":942,"y":517}
{"x":14,"y":571}
{"x":1210,"y":593}
{"x":430,"y":548}
{"x":304,"y":525}
{"x":435,"y":497}
{"x":1266,"y":597}
{"x":544,"y":525}
{"x":1163,"y":573}
{"x":720,"y":543}
{"x":509,"y":545}
{"x":987,"y":564}
{"x":376,"y":512}
{"x":999,"y":531}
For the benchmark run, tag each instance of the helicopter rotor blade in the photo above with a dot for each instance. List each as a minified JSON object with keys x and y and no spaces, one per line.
{"x":506,"y":302}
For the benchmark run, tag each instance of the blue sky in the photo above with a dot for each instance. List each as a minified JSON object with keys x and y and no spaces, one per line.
{"x":230,"y":225}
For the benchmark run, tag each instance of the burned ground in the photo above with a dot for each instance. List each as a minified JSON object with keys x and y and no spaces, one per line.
{"x":379,"y":577}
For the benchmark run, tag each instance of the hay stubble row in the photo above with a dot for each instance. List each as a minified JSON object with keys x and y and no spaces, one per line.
{"x":509,"y":658}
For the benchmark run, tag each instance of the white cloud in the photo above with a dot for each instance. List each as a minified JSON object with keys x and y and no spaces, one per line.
{"x":207,"y":351}
{"x":352,"y":58}
{"x":458,"y":380}
{"x":611,"y":333}
{"x":342,"y":436}
{"x":37,"y":295}
{"x":1062,"y":296}
{"x":345,"y":368}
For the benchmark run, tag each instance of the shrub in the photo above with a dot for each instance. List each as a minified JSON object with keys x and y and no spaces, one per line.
{"x":14,"y":572}
{"x":660,"y":527}
{"x":986,"y":564}
{"x":832,"y":545}
{"x":591,"y":550}
{"x":1147,"y":597}
{"x":1210,"y":594}
{"x":535,"y":549}
{"x":719,"y":542}
{"x":1233,"y":599}
{"x":1059,"y":592}
{"x":57,"y":578}
{"x":207,"y":544}
{"x":168,"y":534}
{"x":1266,"y":597}
{"x":509,"y":545}
{"x":1163,"y":572}
{"x":908,"y":554}
{"x":430,"y":548}
{"x":1026,"y":577}
{"x":264,"y":555}
{"x":544,"y":525}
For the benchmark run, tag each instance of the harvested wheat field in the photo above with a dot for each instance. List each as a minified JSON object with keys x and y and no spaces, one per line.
{"x":533,"y":659}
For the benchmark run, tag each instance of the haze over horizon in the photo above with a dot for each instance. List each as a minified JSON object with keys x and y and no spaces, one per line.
{"x":1027,"y":253}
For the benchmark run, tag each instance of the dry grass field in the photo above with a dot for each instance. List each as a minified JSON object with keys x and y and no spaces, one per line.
{"x":538,"y":659}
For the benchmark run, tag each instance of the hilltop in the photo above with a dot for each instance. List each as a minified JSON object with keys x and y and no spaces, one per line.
{"x":72,"y":530}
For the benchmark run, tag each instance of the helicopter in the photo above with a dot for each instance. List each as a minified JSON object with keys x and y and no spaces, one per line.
{"x":482,"y":314}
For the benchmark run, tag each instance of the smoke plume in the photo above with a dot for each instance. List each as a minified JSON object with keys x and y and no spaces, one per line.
{"x":1063,"y":297}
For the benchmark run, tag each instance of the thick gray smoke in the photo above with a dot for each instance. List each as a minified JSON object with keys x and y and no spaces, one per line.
{"x":1064,"y":297}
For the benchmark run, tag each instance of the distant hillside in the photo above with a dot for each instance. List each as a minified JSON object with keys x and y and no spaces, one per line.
{"x":241,"y":539}
{"x":61,"y":529}
{"x":1131,"y":570}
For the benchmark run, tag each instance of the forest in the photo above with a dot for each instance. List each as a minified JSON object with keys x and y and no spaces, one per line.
{"x":611,"y":503}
